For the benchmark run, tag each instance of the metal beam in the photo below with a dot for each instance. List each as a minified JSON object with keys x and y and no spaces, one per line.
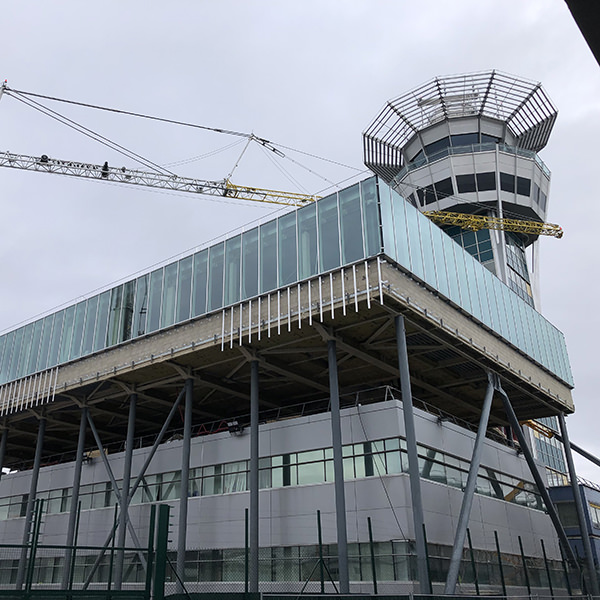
{"x":74,"y":498}
{"x":541,"y":484}
{"x":35,"y":472}
{"x":338,"y":469}
{"x":124,"y":518}
{"x":185,"y":482}
{"x":469,"y":491}
{"x":413,"y":460}
{"x":583,"y":528}
{"x":254,"y":482}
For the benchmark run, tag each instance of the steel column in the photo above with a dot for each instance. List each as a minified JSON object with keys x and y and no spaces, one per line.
{"x":467,"y":502}
{"x":411,"y":449}
{"x":35,"y":472}
{"x":541,"y":485}
{"x":123,"y":505}
{"x":73,"y":511}
{"x":254,"y":449}
{"x":185,"y":482}
{"x":585,"y":536}
{"x":338,"y":469}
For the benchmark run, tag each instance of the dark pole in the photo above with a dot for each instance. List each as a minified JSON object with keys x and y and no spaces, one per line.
{"x":246,"y":551}
{"x":540,"y":483}
{"x":411,"y":449}
{"x":73,"y":511}
{"x":471,"y":553}
{"x":547,"y":569}
{"x":583,"y":528}
{"x":500,"y":564}
{"x":470,"y":487}
{"x":35,"y":472}
{"x":185,"y":483}
{"x":321,"y":564}
{"x":524,"y":566}
{"x":124,"y":516}
{"x":372,"y":548}
{"x":150,"y":557}
{"x":254,"y":496}
{"x":338,"y":469}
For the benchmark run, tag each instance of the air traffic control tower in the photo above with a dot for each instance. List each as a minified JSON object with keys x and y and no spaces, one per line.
{"x":469,"y":143}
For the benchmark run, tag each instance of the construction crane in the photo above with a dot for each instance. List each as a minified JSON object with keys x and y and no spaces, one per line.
{"x":45,"y":164}
{"x":477,"y":222}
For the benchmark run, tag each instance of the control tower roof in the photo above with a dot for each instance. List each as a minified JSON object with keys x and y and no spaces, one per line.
{"x":521,"y":104}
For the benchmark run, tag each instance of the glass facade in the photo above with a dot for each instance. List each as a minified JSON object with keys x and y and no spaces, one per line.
{"x":361,"y":221}
{"x":423,"y":249}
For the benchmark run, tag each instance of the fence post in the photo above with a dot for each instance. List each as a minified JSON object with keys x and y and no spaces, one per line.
{"x":246,"y":552}
{"x":547,"y":570}
{"x":471,"y":553}
{"x":372,"y":548}
{"x":500,"y":564}
{"x":525,"y":566}
{"x":150,"y":557}
{"x":321,"y":564}
{"x":112,"y":550}
{"x":162,"y":535}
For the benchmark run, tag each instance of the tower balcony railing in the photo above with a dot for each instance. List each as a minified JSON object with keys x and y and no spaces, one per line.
{"x":471,"y":149}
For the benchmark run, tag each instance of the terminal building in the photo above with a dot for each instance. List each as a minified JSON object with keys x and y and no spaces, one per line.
{"x":349,"y":370}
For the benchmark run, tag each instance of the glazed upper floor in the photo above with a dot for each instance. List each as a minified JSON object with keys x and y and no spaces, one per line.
{"x":364,"y":220}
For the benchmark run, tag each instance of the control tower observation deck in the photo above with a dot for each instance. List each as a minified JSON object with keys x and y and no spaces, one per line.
{"x":469,"y":143}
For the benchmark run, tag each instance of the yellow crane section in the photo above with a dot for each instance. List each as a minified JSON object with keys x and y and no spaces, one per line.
{"x":477,"y":222}
{"x":45,"y":164}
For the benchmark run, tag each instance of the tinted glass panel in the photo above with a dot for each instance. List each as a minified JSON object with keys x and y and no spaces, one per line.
{"x":128,"y":304}
{"x":78,"y":330}
{"x":437,"y":146}
{"x":25,"y":350}
{"x":444,"y":188}
{"x":288,"y":259}
{"x":268,"y":256}
{"x":250,"y":263}
{"x":329,"y":234}
{"x":184,"y":289}
{"x":200,"y":283}
{"x":465,"y":139}
{"x":169,"y":295}
{"x":90,"y":324}
{"x":465,"y":183}
{"x":102,"y":321}
{"x":351,"y":225}
{"x":67,"y":334}
{"x":35,"y":346}
{"x":215,"y":276}
{"x":14,"y":362}
{"x":307,"y":241}
{"x":371,"y":228}
{"x":523,"y":186}
{"x":55,"y":342}
{"x":486,"y":181}
{"x":155,"y":295}
{"x":233,"y":269}
{"x":7,"y":355}
{"x":45,"y":343}
{"x":140,"y":311}
{"x":114,"y":318}
{"x":507,"y":182}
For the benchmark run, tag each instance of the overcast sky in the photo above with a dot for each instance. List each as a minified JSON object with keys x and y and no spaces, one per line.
{"x":307,"y":75}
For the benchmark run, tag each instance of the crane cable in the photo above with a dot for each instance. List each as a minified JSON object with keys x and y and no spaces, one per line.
{"x":269,"y":145}
{"x":91,"y":134}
